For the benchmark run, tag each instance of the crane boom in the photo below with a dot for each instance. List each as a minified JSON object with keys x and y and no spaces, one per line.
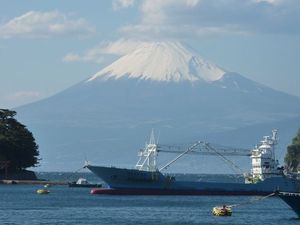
{"x":203,"y":150}
{"x":182,"y":154}
{"x":233,"y":165}
{"x":201,"y":147}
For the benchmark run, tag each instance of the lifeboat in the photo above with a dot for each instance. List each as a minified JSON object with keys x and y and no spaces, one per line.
{"x":42,"y":191}
{"x":222,"y":211}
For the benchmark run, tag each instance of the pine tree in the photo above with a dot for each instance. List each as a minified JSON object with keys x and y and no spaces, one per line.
{"x":17,"y":144}
{"x":292,"y":158}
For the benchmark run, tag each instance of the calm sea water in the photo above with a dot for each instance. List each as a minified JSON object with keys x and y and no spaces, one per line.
{"x":19,"y":204}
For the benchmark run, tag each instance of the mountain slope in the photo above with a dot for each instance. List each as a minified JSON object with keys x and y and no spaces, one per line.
{"x":109,"y":116}
{"x":162,"y":61}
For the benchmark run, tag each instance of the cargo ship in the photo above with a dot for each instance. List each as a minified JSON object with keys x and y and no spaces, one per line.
{"x":147,"y":179}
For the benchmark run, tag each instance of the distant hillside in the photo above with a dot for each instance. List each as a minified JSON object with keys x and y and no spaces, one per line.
{"x":107,"y":118}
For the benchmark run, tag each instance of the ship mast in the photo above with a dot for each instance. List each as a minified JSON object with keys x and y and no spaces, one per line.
{"x":148,"y":156}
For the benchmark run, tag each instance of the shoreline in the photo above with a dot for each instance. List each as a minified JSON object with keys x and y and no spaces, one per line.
{"x":35,"y":182}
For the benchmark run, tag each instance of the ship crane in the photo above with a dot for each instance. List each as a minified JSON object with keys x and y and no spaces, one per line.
{"x":182,"y":154}
{"x":201,"y":147}
{"x":206,"y":148}
{"x":264,"y":164}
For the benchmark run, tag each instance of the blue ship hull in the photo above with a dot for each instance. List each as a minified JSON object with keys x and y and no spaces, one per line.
{"x":132,"y":181}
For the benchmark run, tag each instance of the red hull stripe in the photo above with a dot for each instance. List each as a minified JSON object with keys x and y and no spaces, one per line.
{"x":109,"y":191}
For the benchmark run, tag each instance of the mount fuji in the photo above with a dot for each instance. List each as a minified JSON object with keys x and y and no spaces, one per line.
{"x":160,"y":85}
{"x":167,"y":61}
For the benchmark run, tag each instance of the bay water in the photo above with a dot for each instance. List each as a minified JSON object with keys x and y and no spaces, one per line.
{"x":19,"y":204}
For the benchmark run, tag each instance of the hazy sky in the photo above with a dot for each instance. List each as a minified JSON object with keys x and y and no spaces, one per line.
{"x":47,"y":46}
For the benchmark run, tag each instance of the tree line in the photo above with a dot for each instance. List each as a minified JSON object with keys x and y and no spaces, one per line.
{"x":292,"y":157}
{"x":17,"y":144}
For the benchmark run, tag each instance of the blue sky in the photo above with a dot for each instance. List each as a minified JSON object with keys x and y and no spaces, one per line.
{"x":47,"y":46}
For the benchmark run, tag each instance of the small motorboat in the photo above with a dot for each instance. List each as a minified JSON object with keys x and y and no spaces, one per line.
{"x":222,"y":211}
{"x":42,"y":191}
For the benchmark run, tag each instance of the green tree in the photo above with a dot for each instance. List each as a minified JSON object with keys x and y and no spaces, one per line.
{"x":292,"y":158}
{"x":17,"y":144}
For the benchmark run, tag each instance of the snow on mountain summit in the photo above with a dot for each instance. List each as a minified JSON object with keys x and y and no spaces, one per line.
{"x":161,"y":61}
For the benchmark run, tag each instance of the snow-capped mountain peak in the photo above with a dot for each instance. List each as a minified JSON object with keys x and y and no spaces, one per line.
{"x":161,"y":61}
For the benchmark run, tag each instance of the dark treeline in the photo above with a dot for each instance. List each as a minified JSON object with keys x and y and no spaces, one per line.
{"x":292,"y":157}
{"x":17,"y":144}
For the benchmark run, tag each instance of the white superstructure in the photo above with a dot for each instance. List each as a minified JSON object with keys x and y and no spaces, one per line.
{"x":264,"y":163}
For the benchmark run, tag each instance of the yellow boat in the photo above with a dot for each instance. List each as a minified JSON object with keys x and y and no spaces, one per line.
{"x":43,"y":191}
{"x":222,"y":211}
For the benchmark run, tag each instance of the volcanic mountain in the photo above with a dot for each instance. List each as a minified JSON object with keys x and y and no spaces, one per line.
{"x":160,"y":85}
{"x":168,"y":61}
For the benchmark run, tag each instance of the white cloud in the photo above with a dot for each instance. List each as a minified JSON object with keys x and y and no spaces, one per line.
{"x":72,"y":57}
{"x":190,"y":18}
{"x":34,"y":24}
{"x":15,"y":99}
{"x":91,"y":55}
{"x":100,"y":54}
{"x":120,"y":4}
{"x":121,"y":47}
{"x":270,"y":1}
{"x":24,"y":96}
{"x":156,"y":11}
